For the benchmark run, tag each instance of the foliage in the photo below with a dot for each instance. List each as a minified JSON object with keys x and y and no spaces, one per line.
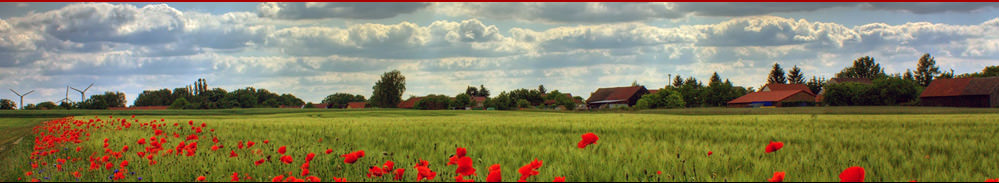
{"x":433,"y":102}
{"x":863,"y":67}
{"x":884,"y":91}
{"x":200,"y":97}
{"x":665,"y":98}
{"x":523,"y":103}
{"x":387,"y":92}
{"x":561,"y":99}
{"x":461,"y":101}
{"x":47,"y":105}
{"x":926,"y":69}
{"x":533,"y":97}
{"x":776,"y":75}
{"x":104,"y":101}
{"x":180,"y":103}
{"x":340,"y":100}
{"x":794,"y":76}
{"x":7,"y":104}
{"x":989,"y":71}
{"x":815,"y":84}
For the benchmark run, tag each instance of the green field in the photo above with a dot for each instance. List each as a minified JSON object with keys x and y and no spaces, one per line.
{"x":891,"y":143}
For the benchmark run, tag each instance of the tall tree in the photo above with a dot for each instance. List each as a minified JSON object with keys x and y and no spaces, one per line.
{"x":483,"y":92}
{"x":7,"y":104}
{"x":677,"y":81}
{"x":946,"y":75}
{"x":340,"y":100}
{"x":815,"y":84}
{"x":387,"y":92}
{"x":863,"y":67}
{"x":715,"y":79}
{"x":777,"y":75}
{"x":794,"y":76}
{"x":926,"y":69}
{"x":541,"y":88}
{"x":908,"y":75}
{"x":471,"y":91}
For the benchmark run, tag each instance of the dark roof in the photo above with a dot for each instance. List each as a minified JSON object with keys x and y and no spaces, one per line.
{"x":618,"y":93}
{"x":788,"y":87}
{"x":961,"y":86}
{"x":767,"y":96}
{"x":356,"y":105}
{"x":850,"y":80}
{"x":409,"y":103}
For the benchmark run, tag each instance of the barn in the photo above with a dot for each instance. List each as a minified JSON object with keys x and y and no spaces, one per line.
{"x":962,"y":92}
{"x":356,"y":105}
{"x":409,"y":103}
{"x":773,"y":98}
{"x":606,"y":98}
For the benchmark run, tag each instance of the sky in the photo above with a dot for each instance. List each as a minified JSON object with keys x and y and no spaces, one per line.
{"x":312,"y":50}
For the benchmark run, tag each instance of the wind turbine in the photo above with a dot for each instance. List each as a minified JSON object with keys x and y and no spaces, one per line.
{"x":83,"y":92}
{"x":66,"y":100}
{"x":22,"y":97}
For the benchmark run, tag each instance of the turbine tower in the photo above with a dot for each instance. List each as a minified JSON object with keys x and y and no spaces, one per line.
{"x":66,"y":100}
{"x":22,"y":97}
{"x":83,"y":92}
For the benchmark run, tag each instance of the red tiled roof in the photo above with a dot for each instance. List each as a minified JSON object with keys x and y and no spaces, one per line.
{"x":479,"y":99}
{"x":788,"y":87}
{"x":961,"y":86}
{"x":356,"y":105}
{"x":618,"y":93}
{"x":409,"y":103}
{"x":766,"y":96}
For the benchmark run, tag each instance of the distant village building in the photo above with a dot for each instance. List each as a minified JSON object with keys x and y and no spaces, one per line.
{"x":578,"y":102}
{"x":321,"y":106}
{"x":409,"y":103}
{"x":962,"y":92}
{"x":478,"y":102}
{"x":608,"y":98}
{"x":775,"y":95}
{"x":356,"y":105}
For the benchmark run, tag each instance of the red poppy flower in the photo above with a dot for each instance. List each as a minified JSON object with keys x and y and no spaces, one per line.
{"x":328,"y":151}
{"x":398,"y":174}
{"x":495,"y":174}
{"x":76,"y":174}
{"x":423,"y":171}
{"x":992,"y":180}
{"x":350,"y":158}
{"x":142,"y":141}
{"x":852,"y":174}
{"x":124,"y":163}
{"x":232,"y":153}
{"x":308,"y":157}
{"x":240,"y":145}
{"x":286,"y":159}
{"x":778,"y":177}
{"x":774,"y":146}
{"x":709,"y":153}
{"x":266,"y":141}
{"x":250,"y":144}
{"x":375,"y":171}
{"x":313,"y":179}
{"x":201,"y":178}
{"x":214,"y":148}
{"x":465,"y":167}
{"x":305,"y":172}
{"x":279,"y":178}
{"x":528,"y":170}
{"x":559,"y":179}
{"x":462,"y":179}
{"x":235,"y":177}
{"x":337,"y":179}
{"x":282,"y":150}
{"x":258,"y":162}
{"x":588,"y":138}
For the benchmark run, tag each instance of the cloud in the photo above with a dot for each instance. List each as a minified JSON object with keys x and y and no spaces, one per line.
{"x":930,"y":7}
{"x":345,"y":10}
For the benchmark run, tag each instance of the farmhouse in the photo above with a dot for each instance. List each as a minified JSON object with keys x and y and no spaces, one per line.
{"x":356,"y":105}
{"x":605,"y":98}
{"x":962,"y":92}
{"x":479,"y":102}
{"x":776,"y":95}
{"x":409,"y":103}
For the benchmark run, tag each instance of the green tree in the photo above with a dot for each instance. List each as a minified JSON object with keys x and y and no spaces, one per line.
{"x":180,"y":103}
{"x":926,"y":69}
{"x":104,"y":101}
{"x":7,"y":104}
{"x":895,"y":91}
{"x":815,"y":84}
{"x":562,"y":99}
{"x":503,"y":101}
{"x":47,"y":105}
{"x":541,"y":88}
{"x":794,"y":76}
{"x":340,"y":100}
{"x":471,"y":91}
{"x":462,"y":100}
{"x":776,"y":75}
{"x":388,"y":91}
{"x":483,"y":92}
{"x":523,"y":103}
{"x":677,"y":81}
{"x":946,"y":75}
{"x":433,"y":102}
{"x":863,"y":67}
{"x":665,"y":98}
{"x":908,"y":75}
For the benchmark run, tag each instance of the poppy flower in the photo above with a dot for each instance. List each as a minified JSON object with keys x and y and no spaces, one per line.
{"x":328,"y":151}
{"x":305,"y":165}
{"x":266,"y":141}
{"x":423,"y":171}
{"x":124,"y":163}
{"x":350,"y":158}
{"x":778,"y":177}
{"x":250,"y":144}
{"x":337,"y":179}
{"x":398,"y":174}
{"x":852,"y":174}
{"x":214,"y":148}
{"x":308,"y":157}
{"x":76,"y":174}
{"x":992,"y":180}
{"x":305,"y":172}
{"x":774,"y":146}
{"x":465,"y":167}
{"x":495,"y":174}
{"x":462,"y":179}
{"x":258,"y":162}
{"x":232,"y":153}
{"x":279,"y":178}
{"x":240,"y":145}
{"x":375,"y":171}
{"x":235,"y":177}
{"x":709,"y":153}
{"x":588,"y":138}
{"x":286,"y":159}
{"x":559,"y":179}
{"x":201,"y":178}
{"x":142,"y":141}
{"x":528,"y":170}
{"x":282,"y":150}
{"x":313,"y":179}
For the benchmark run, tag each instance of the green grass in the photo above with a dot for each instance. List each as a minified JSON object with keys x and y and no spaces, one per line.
{"x":935,"y":144}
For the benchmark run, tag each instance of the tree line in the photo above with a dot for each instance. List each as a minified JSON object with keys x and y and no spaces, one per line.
{"x":198,"y":96}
